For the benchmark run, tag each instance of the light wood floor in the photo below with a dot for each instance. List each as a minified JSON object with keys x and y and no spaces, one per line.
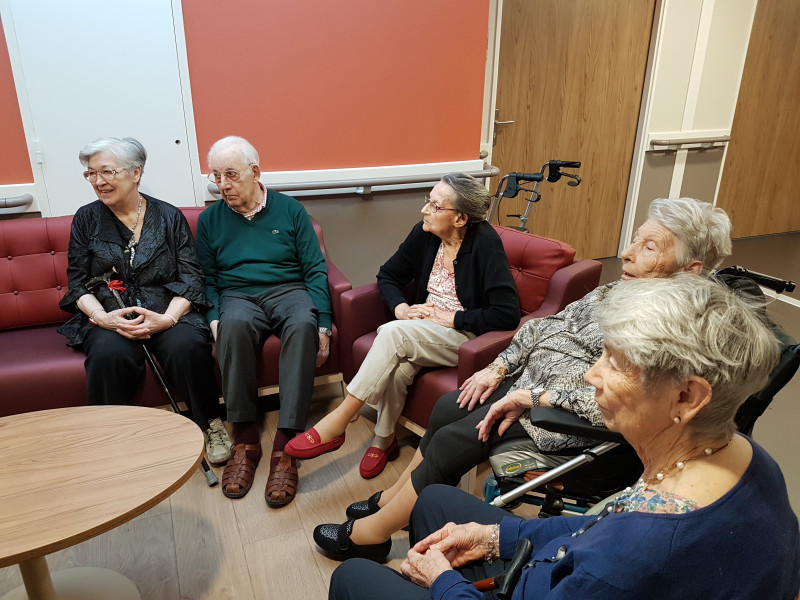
{"x":200,"y":545}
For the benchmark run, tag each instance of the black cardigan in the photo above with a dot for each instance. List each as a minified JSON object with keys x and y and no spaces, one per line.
{"x":483,"y":279}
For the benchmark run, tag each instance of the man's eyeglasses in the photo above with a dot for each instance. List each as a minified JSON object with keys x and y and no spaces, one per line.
{"x":435,"y":207}
{"x":229,"y":174}
{"x":106,"y":174}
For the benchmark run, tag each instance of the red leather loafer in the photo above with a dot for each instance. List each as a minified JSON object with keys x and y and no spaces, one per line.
{"x":308,"y":445}
{"x":375,"y":460}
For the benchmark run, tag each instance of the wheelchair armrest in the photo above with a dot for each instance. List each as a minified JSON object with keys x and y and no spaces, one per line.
{"x":561,"y":421}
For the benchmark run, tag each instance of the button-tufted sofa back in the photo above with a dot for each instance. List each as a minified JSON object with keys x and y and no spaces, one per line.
{"x":533,"y":261}
{"x":33,"y":271}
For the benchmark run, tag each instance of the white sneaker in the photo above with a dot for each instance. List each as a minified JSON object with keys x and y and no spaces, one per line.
{"x":218,"y":443}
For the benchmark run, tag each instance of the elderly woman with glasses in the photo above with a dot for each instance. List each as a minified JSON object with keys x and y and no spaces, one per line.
{"x":710,"y":516}
{"x":141,"y":248}
{"x":463,"y":289}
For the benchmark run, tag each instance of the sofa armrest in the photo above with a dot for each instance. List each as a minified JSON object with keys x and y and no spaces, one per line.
{"x":338,"y":284}
{"x":475,"y":354}
{"x":362,"y":312}
{"x":561,"y":421}
{"x":570,"y":284}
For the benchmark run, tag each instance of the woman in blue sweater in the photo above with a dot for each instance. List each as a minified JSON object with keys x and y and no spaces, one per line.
{"x":710,"y":517}
{"x":463,"y":288}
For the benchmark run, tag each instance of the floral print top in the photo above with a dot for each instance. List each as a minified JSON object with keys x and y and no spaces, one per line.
{"x":641,"y":498}
{"x":442,"y":285}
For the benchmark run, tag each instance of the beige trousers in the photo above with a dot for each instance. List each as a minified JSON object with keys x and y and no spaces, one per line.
{"x":399,"y":351}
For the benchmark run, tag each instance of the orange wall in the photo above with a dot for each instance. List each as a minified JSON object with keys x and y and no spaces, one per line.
{"x":16,"y":166}
{"x":350,"y":83}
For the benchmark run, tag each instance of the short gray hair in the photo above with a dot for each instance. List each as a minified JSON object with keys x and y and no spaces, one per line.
{"x":128,"y":151}
{"x":671,"y":329}
{"x":703,"y":232}
{"x":471,"y":199}
{"x":247,"y":151}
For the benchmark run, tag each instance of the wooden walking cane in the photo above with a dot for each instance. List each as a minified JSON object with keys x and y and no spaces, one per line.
{"x":507,"y":581}
{"x":105,"y":278}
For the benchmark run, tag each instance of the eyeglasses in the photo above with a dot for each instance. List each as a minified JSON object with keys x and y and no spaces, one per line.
{"x":229,"y":174}
{"x":107,"y":174}
{"x":435,"y":207}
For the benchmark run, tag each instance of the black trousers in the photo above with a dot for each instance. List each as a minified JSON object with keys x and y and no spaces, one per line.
{"x":245,"y":322}
{"x":450,"y":446}
{"x":359,"y":579}
{"x":115,"y":367}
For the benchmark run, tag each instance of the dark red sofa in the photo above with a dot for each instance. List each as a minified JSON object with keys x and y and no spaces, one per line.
{"x":37,"y":369}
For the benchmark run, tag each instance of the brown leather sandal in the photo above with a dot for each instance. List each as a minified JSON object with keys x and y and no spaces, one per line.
{"x":238,"y":474}
{"x":282,"y":481}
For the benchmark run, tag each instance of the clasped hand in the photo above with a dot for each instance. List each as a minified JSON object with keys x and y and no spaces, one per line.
{"x":142,"y":326}
{"x":452,"y":546}
{"x":428,"y":311}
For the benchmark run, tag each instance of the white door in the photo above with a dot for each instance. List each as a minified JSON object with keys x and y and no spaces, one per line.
{"x":96,"y":68}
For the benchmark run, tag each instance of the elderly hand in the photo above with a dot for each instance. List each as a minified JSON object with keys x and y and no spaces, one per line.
{"x":214,"y":325}
{"x":132,"y":329}
{"x":404,"y":312}
{"x":460,"y":544}
{"x":423,"y":569}
{"x":445,"y":318}
{"x":509,"y":409}
{"x":477,"y":388}
{"x":324,"y":349}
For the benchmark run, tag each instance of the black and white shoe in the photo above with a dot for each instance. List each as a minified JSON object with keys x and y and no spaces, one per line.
{"x":364,"y":508}
{"x":334,"y":541}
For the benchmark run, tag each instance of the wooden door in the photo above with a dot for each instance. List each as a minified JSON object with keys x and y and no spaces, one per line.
{"x":760,"y":178}
{"x":571,"y":76}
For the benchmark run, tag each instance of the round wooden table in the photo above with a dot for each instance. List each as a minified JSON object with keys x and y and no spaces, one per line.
{"x":70,"y":474}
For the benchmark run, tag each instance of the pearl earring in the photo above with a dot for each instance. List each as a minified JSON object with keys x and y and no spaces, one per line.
{"x":676,"y":420}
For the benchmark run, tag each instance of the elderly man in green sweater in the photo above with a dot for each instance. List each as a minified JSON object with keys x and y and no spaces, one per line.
{"x":265,"y":274}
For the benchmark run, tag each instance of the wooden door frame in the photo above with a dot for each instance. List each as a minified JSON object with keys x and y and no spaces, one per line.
{"x":490,"y":79}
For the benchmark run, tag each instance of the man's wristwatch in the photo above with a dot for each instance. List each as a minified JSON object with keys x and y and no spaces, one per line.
{"x":326,"y":330}
{"x":535,"y":393}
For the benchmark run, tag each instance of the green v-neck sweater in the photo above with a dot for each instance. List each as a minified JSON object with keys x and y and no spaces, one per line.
{"x":277,"y":246}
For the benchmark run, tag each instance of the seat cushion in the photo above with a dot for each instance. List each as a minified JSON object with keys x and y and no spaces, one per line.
{"x":38,"y":371}
{"x":428,"y":387}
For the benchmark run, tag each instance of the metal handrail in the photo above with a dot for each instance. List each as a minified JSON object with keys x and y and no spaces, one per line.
{"x":719,"y":139}
{"x":364,"y":186}
{"x":16,"y":201}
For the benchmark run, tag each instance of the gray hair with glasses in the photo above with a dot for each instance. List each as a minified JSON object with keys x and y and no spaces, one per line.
{"x":672,"y":329}
{"x":703,"y":232}
{"x":248,"y":153}
{"x":128,"y":151}
{"x":471,"y":198}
